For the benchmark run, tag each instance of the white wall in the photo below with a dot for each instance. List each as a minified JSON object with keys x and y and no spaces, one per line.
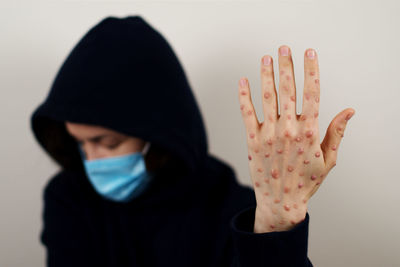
{"x":354,"y":215}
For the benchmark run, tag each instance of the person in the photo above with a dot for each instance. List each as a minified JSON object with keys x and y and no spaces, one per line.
{"x":137,"y":185}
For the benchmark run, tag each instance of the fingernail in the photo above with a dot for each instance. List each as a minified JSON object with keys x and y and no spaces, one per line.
{"x":266,"y":61}
{"x":243,"y":82}
{"x":348,"y":116}
{"x":311,"y":54}
{"x":284,"y":51}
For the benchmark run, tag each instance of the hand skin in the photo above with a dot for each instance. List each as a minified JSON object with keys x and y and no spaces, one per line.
{"x":286,"y":160}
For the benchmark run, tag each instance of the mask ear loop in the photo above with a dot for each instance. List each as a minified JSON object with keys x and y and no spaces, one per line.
{"x":146,"y":148}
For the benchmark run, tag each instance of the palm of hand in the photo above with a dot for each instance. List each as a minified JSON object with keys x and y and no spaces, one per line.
{"x":286,"y":160}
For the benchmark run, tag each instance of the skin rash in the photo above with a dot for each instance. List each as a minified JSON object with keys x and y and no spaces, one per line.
{"x":287,"y":162}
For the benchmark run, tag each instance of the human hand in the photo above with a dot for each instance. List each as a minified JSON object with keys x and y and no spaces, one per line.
{"x":286,"y":160}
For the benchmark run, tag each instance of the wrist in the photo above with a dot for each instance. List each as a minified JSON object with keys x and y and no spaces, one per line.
{"x":270,"y":220}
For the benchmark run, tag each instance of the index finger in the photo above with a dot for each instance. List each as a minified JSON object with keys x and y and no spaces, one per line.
{"x":311,"y":92}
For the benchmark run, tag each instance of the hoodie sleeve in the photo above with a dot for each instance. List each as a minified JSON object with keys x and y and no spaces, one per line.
{"x":64,"y":233}
{"x":275,"y":249}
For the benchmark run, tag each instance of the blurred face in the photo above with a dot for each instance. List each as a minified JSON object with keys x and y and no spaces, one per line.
{"x":99,"y":142}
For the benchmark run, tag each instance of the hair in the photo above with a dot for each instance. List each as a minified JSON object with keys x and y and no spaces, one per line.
{"x":61,"y":146}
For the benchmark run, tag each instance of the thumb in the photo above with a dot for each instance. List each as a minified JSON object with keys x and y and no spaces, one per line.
{"x":333,"y":136}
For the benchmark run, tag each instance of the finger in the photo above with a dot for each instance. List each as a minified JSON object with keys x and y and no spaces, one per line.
{"x":247,"y":108}
{"x":311,"y":94}
{"x":270,"y":103}
{"x":333,"y":137}
{"x":287,"y":88}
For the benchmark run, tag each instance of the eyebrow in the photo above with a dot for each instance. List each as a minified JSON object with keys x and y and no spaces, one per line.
{"x":94,"y":138}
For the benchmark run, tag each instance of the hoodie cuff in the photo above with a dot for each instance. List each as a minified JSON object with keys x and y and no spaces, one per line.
{"x":285,"y":248}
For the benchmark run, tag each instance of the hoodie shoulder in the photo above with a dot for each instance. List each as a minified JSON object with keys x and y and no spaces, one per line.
{"x":65,"y":187}
{"x":238,"y":196}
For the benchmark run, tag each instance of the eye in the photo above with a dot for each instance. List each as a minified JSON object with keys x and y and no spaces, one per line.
{"x":113,"y":146}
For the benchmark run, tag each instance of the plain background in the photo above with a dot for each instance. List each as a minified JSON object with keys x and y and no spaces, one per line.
{"x":354,"y":216}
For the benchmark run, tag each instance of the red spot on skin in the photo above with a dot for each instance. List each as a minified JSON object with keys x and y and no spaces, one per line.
{"x":249,"y":112}
{"x":317,"y":99}
{"x":241,"y":107}
{"x":256,"y":150}
{"x":243,"y":92}
{"x":295,"y":206}
{"x":316,"y":114}
{"x":287,"y":77}
{"x":250,"y":157}
{"x":263,"y":69}
{"x":300,"y":185}
{"x":270,"y":118}
{"x":307,"y":95}
{"x":309,"y":134}
{"x":279,"y":151}
{"x":257,"y":184}
{"x":318,"y":183}
{"x":286,"y":88}
{"x":274,"y":173}
{"x":301,"y":173}
{"x":281,"y":72}
{"x":267,"y":95}
{"x":287,"y":207}
{"x":267,"y":155}
{"x":259,"y":170}
{"x":292,"y":222}
{"x":289,"y":117}
{"x":322,"y":175}
{"x":348,"y":116}
{"x":313,"y":177}
{"x":286,"y":106}
{"x":304,"y":200}
{"x":298,"y":139}
{"x":317,"y":154}
{"x":266,"y":194}
{"x":312,"y":73}
{"x":300,"y":151}
{"x":269,"y":142}
{"x":287,"y":133}
{"x":266,"y":180}
{"x":286,"y":189}
{"x":272,"y":226}
{"x":303,"y":117}
{"x":306,"y":161}
{"x":252,"y":135}
{"x":290,"y":168}
{"x":293,"y":98}
{"x":277,"y":200}
{"x":334,"y":147}
{"x":316,"y":81}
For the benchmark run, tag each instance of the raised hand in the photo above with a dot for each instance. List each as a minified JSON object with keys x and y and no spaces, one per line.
{"x":286,"y":160}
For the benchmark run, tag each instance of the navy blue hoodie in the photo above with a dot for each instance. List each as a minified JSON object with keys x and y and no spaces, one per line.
{"x":124,"y":75}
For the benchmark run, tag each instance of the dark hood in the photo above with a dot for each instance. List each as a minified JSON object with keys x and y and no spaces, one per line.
{"x":122,"y":75}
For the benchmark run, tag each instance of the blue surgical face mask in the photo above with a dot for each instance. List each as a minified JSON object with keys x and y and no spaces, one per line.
{"x":118,"y":178}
